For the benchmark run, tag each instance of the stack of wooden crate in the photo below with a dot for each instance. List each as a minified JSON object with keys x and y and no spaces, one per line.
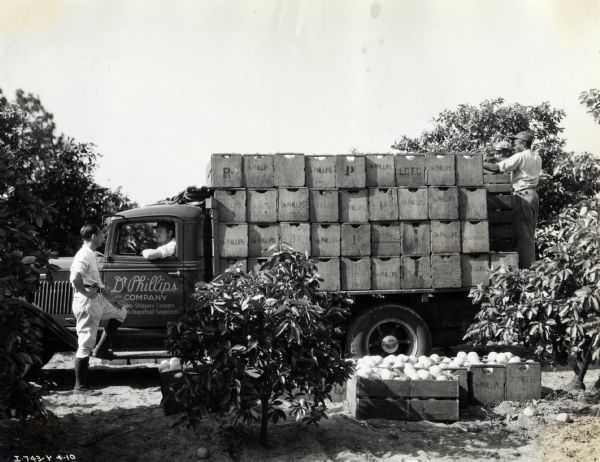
{"x":371,"y":222}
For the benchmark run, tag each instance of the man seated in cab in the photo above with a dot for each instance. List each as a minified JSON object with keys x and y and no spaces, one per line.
{"x":165,"y":237}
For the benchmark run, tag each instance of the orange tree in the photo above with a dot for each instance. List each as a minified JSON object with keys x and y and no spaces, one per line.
{"x":254,"y":342}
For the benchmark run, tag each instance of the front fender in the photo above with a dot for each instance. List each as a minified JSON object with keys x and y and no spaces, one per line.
{"x":60,"y":336}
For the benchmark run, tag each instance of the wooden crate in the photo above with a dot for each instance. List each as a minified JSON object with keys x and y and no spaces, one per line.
{"x":288,"y":170}
{"x":472,"y":204}
{"x":324,"y":205}
{"x":329,"y":270}
{"x":261,"y":236}
{"x":354,"y":205}
{"x":487,"y":384}
{"x":415,"y":238}
{"x":463,"y":384}
{"x":170,"y":382}
{"x":224,"y":171}
{"x":325,"y":239}
{"x":474,"y":269}
{"x":385,"y":273}
{"x":469,"y":170}
{"x":498,"y":188}
{"x":441,"y":169}
{"x":350,"y":172}
{"x":475,"y":236}
{"x":296,"y":235}
{"x":403,"y":400}
{"x":496,"y":178}
{"x":445,"y":271}
{"x":320,"y":171}
{"x":510,"y":259}
{"x":232,"y":205}
{"x":292,"y":204}
{"x":231,"y":263}
{"x":254,"y":264}
{"x":380,"y":170}
{"x":233,"y":240}
{"x":258,"y":170}
{"x":355,"y":273}
{"x":385,"y":239}
{"x":413,"y":204}
{"x":410,"y":170}
{"x":523,"y":382}
{"x":416,"y":272}
{"x":355,"y":239}
{"x":261,"y":205}
{"x":383,"y":204}
{"x":443,"y":203}
{"x":445,"y":236}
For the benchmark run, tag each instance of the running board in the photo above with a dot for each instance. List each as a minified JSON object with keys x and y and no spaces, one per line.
{"x":136,"y":357}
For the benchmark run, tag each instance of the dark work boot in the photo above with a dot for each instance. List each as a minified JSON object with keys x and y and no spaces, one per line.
{"x":81,"y":383}
{"x":103,"y":349}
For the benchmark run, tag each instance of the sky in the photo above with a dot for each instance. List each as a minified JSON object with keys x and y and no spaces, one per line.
{"x":158,"y":86}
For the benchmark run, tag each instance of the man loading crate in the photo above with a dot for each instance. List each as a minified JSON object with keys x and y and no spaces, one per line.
{"x":526,"y":168}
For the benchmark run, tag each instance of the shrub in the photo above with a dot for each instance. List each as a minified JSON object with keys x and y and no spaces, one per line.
{"x":255,"y":342}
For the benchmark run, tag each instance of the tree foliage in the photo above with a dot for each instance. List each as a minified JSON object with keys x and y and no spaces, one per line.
{"x":591,"y":100}
{"x":255,"y":342}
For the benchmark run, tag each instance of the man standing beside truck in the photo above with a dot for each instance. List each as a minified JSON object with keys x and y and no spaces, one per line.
{"x":526,"y":168}
{"x":91,"y":304}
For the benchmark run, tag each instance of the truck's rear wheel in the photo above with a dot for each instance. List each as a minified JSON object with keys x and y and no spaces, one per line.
{"x":388,"y":330}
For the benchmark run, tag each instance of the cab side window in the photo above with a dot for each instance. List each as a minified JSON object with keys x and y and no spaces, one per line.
{"x":134,"y":237}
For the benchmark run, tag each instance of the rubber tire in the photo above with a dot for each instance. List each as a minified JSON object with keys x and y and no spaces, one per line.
{"x":356,"y":344}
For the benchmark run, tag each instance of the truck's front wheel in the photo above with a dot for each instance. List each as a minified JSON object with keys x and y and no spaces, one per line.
{"x":388,"y":330}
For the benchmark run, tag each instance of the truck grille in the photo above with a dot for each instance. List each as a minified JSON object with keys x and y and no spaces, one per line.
{"x":54,"y":298}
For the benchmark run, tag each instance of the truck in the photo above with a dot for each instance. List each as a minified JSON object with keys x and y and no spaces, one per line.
{"x":395,"y":320}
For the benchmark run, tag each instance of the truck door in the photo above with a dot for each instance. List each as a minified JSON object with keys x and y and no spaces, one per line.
{"x":152,"y":290}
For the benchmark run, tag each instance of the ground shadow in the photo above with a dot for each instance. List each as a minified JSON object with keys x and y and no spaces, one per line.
{"x":103,"y":376}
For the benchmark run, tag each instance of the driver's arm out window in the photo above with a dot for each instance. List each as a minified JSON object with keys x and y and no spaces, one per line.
{"x":132,"y":238}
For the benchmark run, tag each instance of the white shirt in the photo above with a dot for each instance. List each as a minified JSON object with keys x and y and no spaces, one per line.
{"x":526,"y":168}
{"x":167,"y":250}
{"x":85,"y":263}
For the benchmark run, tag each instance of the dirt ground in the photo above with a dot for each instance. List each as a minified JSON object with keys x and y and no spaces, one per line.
{"x":126,"y":423}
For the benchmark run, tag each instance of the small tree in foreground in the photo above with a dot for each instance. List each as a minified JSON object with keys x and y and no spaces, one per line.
{"x":554,"y":306}
{"x":255,"y":345}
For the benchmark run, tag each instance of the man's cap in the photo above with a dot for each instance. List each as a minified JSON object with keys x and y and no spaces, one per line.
{"x":502,"y":146}
{"x":525,"y":136}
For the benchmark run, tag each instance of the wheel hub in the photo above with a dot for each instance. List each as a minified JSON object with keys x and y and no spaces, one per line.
{"x":389,"y":344}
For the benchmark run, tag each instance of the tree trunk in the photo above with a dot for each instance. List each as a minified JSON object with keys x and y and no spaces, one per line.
{"x":582,"y":362}
{"x":264,"y":421}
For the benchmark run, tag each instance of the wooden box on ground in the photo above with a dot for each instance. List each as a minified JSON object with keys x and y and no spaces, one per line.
{"x":385,"y":273}
{"x":329,"y":270}
{"x":445,"y":271}
{"x":385,"y":239}
{"x":233,"y":240}
{"x":441,"y":169}
{"x":325,"y":239}
{"x":356,"y":273}
{"x":350,"y":172}
{"x":354,"y":205}
{"x":413,"y":204}
{"x":463,"y":384}
{"x":170,"y":382}
{"x":355,"y":239}
{"x":261,"y":205}
{"x":403,"y":400}
{"x":258,"y":170}
{"x":410,"y":170}
{"x":415,"y":272}
{"x":254,"y":264}
{"x":224,"y":171}
{"x":487,"y":384}
{"x":261,"y":236}
{"x":320,"y":171}
{"x":416,"y":238}
{"x":383,"y":204}
{"x":510,"y":259}
{"x":472,"y":204}
{"x":296,"y":235}
{"x":231,"y":263}
{"x":443,"y":203}
{"x":469,"y":170}
{"x":523,"y":382}
{"x":232,"y":205}
{"x":324,"y":205}
{"x":445,"y":236}
{"x":474,"y":269}
{"x":475,"y":236}
{"x":293,"y":204}
{"x":288,"y":170}
{"x":381,"y":171}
